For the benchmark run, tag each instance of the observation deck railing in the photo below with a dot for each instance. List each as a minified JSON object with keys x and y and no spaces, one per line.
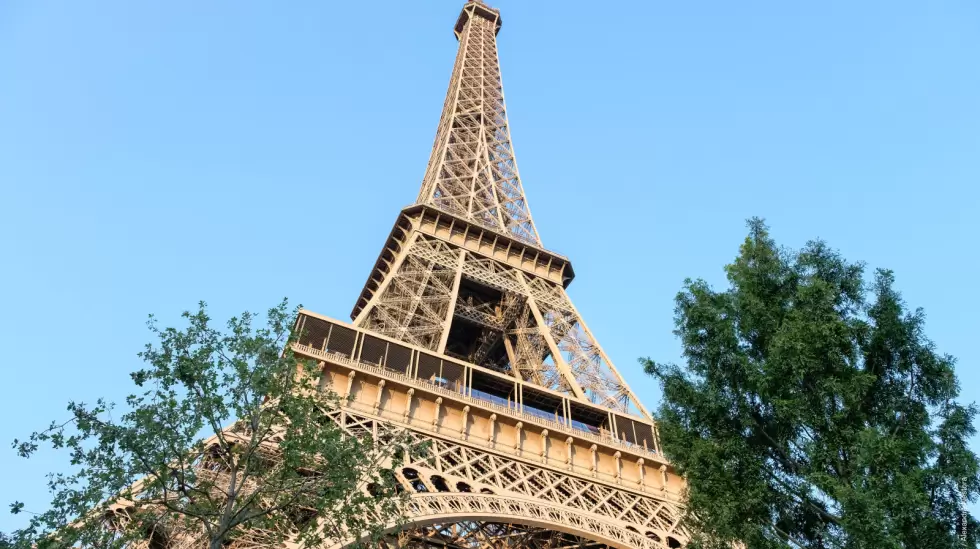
{"x":364,"y":350}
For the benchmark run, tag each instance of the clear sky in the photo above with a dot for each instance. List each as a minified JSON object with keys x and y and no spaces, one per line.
{"x":153,"y":154}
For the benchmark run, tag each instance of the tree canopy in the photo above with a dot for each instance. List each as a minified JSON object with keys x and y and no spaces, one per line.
{"x":270,"y":464}
{"x":811,"y":409}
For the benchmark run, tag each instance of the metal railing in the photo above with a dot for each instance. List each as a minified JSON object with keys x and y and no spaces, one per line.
{"x":511,"y":408}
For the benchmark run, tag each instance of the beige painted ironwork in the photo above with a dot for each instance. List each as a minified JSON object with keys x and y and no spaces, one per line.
{"x":464,"y":271}
{"x":490,"y":463}
{"x":465,"y":336}
{"x":465,"y":339}
{"x":472,"y":171}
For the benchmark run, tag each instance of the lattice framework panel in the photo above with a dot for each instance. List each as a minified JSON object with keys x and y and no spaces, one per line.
{"x":415,"y":299}
{"x":455,"y":462}
{"x":472,"y":171}
{"x":414,"y":303}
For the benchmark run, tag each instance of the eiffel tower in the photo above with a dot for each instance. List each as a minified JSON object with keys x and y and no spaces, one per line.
{"x":465,"y":336}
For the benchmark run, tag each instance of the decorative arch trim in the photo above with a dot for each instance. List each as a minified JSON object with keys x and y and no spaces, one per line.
{"x":432,"y":508}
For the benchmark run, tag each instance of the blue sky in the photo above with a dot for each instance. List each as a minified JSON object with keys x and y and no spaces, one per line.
{"x":153,"y":154}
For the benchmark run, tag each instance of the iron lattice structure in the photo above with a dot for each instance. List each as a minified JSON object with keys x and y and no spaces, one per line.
{"x":472,"y":171}
{"x":464,"y":335}
{"x":464,"y":272}
{"x":465,"y":339}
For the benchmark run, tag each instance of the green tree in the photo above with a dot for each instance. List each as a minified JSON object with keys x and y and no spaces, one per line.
{"x":274,"y":465}
{"x":812,"y":410}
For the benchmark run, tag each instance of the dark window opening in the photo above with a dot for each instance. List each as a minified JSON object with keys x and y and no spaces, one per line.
{"x":653,"y":536}
{"x":325,"y":336}
{"x":493,"y":389}
{"x":634,"y":432}
{"x":671,"y":542}
{"x":585,"y":418}
{"x":429,"y":366}
{"x":399,"y":358}
{"x":463,"y":487}
{"x":312,"y":332}
{"x":441,"y":373}
{"x":341,"y":341}
{"x":413,"y":478}
{"x":453,"y":375}
{"x":543,"y":405}
{"x":373,"y":350}
{"x":486,"y":491}
{"x":439,"y":483}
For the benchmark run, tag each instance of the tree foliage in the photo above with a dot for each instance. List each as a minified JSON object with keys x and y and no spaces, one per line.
{"x":812,"y":410}
{"x":273,"y":467}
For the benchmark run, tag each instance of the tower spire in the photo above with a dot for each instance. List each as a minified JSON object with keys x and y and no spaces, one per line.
{"x":472,"y":171}
{"x":464,"y":273}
